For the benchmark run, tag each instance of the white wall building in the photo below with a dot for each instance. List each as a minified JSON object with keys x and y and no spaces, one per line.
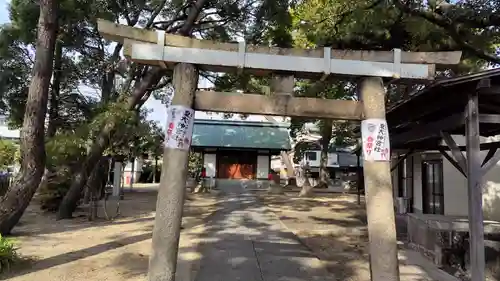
{"x":5,"y":132}
{"x":435,"y":186}
{"x":132,"y":171}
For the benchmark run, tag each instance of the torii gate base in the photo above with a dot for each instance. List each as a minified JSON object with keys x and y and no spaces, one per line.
{"x":378,"y":194}
{"x":169,"y":206}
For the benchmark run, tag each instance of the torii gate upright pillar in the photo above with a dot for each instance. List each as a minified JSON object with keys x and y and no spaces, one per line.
{"x":378,"y":187}
{"x":169,"y":205}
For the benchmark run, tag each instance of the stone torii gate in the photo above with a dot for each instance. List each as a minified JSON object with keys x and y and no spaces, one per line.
{"x":186,"y":55}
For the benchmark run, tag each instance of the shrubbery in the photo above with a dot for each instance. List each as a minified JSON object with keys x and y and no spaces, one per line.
{"x":52,"y":193}
{"x":65,"y":152}
{"x":9,"y":153}
{"x":8,"y":254}
{"x":147,"y":174}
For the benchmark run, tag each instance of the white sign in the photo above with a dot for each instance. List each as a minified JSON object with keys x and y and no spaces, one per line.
{"x":180,"y":121}
{"x":333,"y":160}
{"x":375,"y":137}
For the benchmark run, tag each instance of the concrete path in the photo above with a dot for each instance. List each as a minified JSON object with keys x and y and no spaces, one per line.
{"x":248,"y":243}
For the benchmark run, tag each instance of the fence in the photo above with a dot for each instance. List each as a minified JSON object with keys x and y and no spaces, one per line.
{"x":5,"y":180}
{"x":443,"y":239}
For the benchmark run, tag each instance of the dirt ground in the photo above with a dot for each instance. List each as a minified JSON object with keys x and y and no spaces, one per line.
{"x":80,"y":250}
{"x":333,"y":226}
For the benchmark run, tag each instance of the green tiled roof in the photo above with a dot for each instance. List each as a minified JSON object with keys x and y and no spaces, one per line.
{"x":240,"y":134}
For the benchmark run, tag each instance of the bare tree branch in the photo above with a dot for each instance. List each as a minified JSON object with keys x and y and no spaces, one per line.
{"x":193,"y":15}
{"x":162,"y":84}
{"x":155,"y":71}
{"x":474,"y":19}
{"x":166,"y":25}
{"x":155,"y":13}
{"x":343,"y":16}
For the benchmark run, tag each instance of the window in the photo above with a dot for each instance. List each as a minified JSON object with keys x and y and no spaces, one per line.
{"x":432,"y":187}
{"x":405,"y":181}
{"x":401,"y":178}
{"x":311,"y":156}
{"x":409,"y":182}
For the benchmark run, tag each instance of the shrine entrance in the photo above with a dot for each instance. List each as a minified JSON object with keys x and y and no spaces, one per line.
{"x":237,"y":164}
{"x":368,"y":69}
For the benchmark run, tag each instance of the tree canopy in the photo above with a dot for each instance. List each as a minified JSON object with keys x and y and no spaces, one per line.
{"x":96,"y":97}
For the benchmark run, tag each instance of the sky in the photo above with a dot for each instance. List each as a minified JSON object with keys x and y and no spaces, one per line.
{"x":158,"y":110}
{"x":4,"y":13}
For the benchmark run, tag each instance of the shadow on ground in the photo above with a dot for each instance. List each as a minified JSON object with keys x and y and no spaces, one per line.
{"x":334,"y":227}
{"x":58,"y":248}
{"x":237,"y":238}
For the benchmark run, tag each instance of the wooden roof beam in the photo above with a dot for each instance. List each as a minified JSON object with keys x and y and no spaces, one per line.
{"x":127,"y":35}
{"x":277,"y":105}
{"x":492,"y":90}
{"x":428,"y":147}
{"x":429,"y":130}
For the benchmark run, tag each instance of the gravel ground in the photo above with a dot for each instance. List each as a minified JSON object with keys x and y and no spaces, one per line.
{"x":333,"y":226}
{"x":79,"y":250}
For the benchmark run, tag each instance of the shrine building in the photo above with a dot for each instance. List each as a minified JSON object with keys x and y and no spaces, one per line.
{"x":239,"y":149}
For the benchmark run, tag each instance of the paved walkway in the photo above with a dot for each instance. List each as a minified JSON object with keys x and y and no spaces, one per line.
{"x":245,"y":241}
{"x":250,"y":244}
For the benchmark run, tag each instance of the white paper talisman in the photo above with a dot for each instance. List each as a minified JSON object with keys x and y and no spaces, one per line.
{"x":179,"y":132}
{"x":375,"y":137}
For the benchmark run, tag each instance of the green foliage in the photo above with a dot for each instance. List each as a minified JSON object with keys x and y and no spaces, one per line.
{"x":300,"y":148}
{"x":273,"y":24}
{"x":342,"y":132}
{"x":364,"y":25}
{"x":134,"y":135}
{"x":51,"y":195}
{"x":8,"y":254}
{"x":147,"y":172}
{"x":380,"y":25}
{"x":471,"y":25}
{"x":65,"y":152}
{"x":66,"y":149}
{"x":9,"y":153}
{"x":88,"y":60}
{"x":195,"y":162}
{"x":15,"y":72}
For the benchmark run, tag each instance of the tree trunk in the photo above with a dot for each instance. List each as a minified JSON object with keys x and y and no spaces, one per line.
{"x":154,"y":169}
{"x":383,"y":247}
{"x":108,"y":78}
{"x":53,"y":108}
{"x":307,"y":189}
{"x":18,"y":196}
{"x":326,"y":136}
{"x":107,"y":87}
{"x":132,"y":174}
{"x":94,"y":187}
{"x":55,"y":91}
{"x":282,"y":85}
{"x":172,"y":189}
{"x":70,"y":200}
{"x":290,"y":171}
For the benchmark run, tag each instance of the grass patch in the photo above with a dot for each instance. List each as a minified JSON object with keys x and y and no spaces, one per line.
{"x":8,"y":254}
